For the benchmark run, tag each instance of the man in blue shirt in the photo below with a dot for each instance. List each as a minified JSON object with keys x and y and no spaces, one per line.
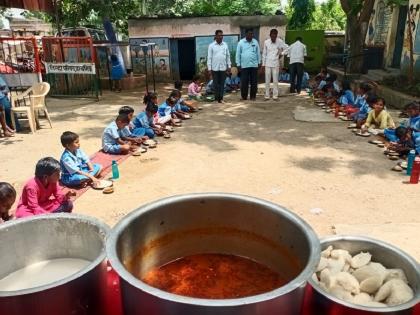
{"x":248,"y":60}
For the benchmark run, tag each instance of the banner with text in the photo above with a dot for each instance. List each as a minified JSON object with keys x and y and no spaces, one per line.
{"x":70,"y":68}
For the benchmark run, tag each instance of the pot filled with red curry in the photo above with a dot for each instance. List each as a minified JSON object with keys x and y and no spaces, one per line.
{"x":213,"y":253}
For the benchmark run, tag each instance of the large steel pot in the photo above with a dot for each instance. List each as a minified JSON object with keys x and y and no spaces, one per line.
{"x":28,"y":241}
{"x":391,"y":257}
{"x":213,"y":223}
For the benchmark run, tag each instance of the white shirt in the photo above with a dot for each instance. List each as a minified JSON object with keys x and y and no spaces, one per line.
{"x":297,"y":52}
{"x":272,"y":51}
{"x":218,"y":57}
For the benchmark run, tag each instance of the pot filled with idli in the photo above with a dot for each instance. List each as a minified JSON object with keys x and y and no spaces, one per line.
{"x":361,"y":275}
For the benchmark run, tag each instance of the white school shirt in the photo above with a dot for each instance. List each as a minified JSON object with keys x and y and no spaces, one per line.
{"x":218,"y":57}
{"x":297,"y":52}
{"x":272,"y":52}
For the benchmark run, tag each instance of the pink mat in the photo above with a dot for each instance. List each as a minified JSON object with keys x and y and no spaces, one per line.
{"x":105,"y":160}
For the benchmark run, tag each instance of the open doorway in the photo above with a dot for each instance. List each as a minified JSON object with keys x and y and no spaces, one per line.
{"x":186,"y":58}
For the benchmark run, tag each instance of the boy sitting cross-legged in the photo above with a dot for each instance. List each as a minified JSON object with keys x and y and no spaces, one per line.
{"x":112,"y":142}
{"x":76,"y":167}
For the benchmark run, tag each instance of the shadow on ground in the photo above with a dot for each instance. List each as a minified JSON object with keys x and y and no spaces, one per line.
{"x":219,"y":126}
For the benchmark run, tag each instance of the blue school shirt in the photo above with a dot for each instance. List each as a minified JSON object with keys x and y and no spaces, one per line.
{"x":248,"y":54}
{"x":305,"y":80}
{"x":232,"y":81}
{"x":209,"y":87}
{"x":71,"y":163}
{"x":414,"y":123}
{"x":235,"y":80}
{"x":284,"y":77}
{"x":365,"y":108}
{"x":347,"y":98}
{"x":359,"y":101}
{"x":322,"y":84}
{"x":111,"y":135}
{"x":164,"y":110}
{"x":142,"y":121}
{"x":125,"y":132}
{"x":336,"y":86}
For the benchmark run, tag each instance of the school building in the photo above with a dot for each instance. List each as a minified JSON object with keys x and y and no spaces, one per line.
{"x":387,"y":38}
{"x":181,"y":44}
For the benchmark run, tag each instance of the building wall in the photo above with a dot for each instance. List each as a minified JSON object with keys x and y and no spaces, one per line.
{"x":382,"y":29}
{"x":405,"y":60}
{"x":201,"y":30}
{"x":190,"y":27}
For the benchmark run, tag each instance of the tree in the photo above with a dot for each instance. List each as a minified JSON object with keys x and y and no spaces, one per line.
{"x":358,"y":14}
{"x":301,"y":14}
{"x":329,"y":16}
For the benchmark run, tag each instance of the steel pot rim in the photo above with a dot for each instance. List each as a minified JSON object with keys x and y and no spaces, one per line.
{"x":410,"y":304}
{"x":105,"y":229}
{"x":299,"y":281}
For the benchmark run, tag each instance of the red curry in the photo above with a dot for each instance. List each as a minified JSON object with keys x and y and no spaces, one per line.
{"x":214,"y":276}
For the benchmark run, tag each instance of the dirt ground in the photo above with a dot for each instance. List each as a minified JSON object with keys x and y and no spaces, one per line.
{"x":334,"y":180}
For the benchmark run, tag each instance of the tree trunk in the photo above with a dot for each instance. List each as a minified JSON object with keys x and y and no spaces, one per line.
{"x":411,"y":50}
{"x":355,"y":58}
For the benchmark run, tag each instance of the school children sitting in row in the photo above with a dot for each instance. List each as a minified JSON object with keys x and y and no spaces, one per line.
{"x":370,"y":114}
{"x":76,"y":167}
{"x":284,"y":77}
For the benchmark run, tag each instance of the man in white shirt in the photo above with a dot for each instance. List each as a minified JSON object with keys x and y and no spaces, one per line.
{"x":273,"y":49}
{"x":218,"y":62}
{"x":297,"y":54}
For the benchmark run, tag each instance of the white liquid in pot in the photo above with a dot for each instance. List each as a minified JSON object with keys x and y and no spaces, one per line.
{"x":42,"y":273}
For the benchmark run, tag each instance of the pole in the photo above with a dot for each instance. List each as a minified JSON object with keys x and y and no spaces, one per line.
{"x":145,"y":49}
{"x":153,"y":68}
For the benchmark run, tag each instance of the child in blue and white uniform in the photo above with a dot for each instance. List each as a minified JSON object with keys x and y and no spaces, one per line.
{"x":413,"y":123}
{"x":111,"y":138}
{"x":284,"y":75}
{"x":165,"y":111}
{"x":143,"y":122}
{"x":76,"y":167}
{"x":367,"y":104}
{"x":347,"y":95}
{"x":232,"y":83}
{"x":305,"y":80}
{"x":128,"y":133}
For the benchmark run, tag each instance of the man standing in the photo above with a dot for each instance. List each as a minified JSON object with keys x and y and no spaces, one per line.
{"x":218,"y":62}
{"x":248,"y":59}
{"x":273,"y":49}
{"x":297,"y":54}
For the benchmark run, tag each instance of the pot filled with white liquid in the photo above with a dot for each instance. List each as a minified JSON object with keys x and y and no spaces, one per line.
{"x":53,"y":264}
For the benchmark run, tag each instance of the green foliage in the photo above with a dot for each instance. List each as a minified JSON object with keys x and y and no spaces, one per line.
{"x":301,"y":14}
{"x":329,"y":16}
{"x":209,"y":7}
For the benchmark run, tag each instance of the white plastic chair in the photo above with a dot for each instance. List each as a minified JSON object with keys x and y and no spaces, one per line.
{"x":35,"y":96}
